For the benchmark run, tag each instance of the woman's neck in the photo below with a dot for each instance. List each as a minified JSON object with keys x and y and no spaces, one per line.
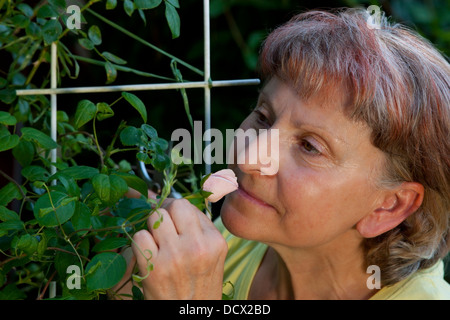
{"x":319,"y":273}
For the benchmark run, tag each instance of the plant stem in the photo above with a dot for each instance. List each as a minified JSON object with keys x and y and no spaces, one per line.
{"x":109,"y":150}
{"x":67,"y":251}
{"x":67,"y":239}
{"x":100,"y":152}
{"x":41,"y":296}
{"x":122,"y":68}
{"x":36,"y":65}
{"x":148,"y":44}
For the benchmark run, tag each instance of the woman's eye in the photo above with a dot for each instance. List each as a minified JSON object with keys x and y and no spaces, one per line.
{"x":261,"y":118}
{"x":309,"y":148}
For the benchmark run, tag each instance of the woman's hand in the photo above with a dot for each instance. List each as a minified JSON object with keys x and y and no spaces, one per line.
{"x":187,"y":252}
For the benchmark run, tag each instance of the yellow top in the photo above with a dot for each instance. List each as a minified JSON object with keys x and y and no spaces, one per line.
{"x":245,"y":256}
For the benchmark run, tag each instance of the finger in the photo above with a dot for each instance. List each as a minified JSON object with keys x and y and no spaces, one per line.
{"x":185,"y":216}
{"x":144,"y":249}
{"x":132,"y":193}
{"x":161,"y":226}
{"x":207,"y":224}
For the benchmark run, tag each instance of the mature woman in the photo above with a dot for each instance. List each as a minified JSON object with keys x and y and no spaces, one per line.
{"x":363,"y":115}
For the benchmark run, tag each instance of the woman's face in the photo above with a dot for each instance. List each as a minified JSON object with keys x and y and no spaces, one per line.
{"x":326,"y":175}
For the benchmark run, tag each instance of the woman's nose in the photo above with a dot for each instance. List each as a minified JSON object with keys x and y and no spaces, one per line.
{"x":260,"y":155}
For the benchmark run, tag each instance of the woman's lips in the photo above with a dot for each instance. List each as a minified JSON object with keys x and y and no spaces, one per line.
{"x":249,"y":196}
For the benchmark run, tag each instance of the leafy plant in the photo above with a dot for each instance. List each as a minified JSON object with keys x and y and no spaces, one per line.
{"x":77,"y":217}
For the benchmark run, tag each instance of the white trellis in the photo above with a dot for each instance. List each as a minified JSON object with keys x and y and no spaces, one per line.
{"x":207,"y":84}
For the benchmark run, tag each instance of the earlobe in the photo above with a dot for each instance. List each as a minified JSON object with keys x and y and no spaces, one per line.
{"x":393,"y":210}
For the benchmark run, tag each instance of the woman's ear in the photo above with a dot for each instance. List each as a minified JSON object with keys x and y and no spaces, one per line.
{"x":395,"y":207}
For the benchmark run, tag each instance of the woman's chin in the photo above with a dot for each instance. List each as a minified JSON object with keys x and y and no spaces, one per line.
{"x":236,"y":220}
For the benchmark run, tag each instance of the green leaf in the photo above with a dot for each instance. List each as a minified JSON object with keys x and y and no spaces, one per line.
{"x":95,"y":35}
{"x":158,"y":145}
{"x":69,"y":184}
{"x":109,"y":188}
{"x":149,"y":131}
{"x":132,"y":209}
{"x":86,"y":43}
{"x":9,"y":193}
{"x":110,"y":244}
{"x":134,"y":182}
{"x":137,"y":104}
{"x":11,"y":222}
{"x":161,"y":162}
{"x":111,"y":72}
{"x":25,"y":9}
{"x":11,"y":292}
{"x":61,"y":116}
{"x":111,"y":4}
{"x":33,"y":30}
{"x":86,"y":111}
{"x":128,"y":6}
{"x":144,"y":157}
{"x":22,"y":110}
{"x":102,"y":186}
{"x":7,"y":119}
{"x":175,"y":3}
{"x":147,"y":4}
{"x":51,"y":31}
{"x":61,"y":212}
{"x":24,"y":152}
{"x":38,"y":137}
{"x":27,"y":243}
{"x":173,"y":19}
{"x":9,"y":142}
{"x":8,"y":215}
{"x":137,"y":293}
{"x":11,"y":225}
{"x":42,"y":245}
{"x":113,"y":58}
{"x":35,"y":173}
{"x":118,"y":189}
{"x":8,"y":95}
{"x":3,"y":82}
{"x":76,"y":172}
{"x":81,"y":218}
{"x":156,"y":224}
{"x":130,"y":136}
{"x":142,"y":15}
{"x":110,"y":268}
{"x":20,"y":21}
{"x":46,"y":11}
{"x":104,"y":111}
{"x":124,"y":166}
{"x":58,"y":4}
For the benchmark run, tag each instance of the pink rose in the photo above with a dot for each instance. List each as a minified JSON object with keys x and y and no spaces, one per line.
{"x":220,"y":184}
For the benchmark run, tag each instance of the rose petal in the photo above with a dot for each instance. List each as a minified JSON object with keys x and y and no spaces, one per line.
{"x":220,"y":184}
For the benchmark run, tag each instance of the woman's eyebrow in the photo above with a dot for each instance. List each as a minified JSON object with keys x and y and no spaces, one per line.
{"x":320,"y":128}
{"x":298,"y":123}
